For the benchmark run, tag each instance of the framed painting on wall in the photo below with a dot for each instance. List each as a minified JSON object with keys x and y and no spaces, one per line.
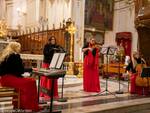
{"x":99,"y":14}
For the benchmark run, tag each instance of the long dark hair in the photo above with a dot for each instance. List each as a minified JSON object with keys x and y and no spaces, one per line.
{"x":52,"y":37}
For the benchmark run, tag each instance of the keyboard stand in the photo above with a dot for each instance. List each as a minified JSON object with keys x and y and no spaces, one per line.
{"x":52,"y":76}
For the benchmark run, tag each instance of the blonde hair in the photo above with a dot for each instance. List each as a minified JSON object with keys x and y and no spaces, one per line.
{"x":12,"y":47}
{"x":134,"y":54}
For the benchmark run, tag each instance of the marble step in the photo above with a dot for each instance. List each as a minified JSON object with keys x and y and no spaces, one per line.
{"x":128,"y":106}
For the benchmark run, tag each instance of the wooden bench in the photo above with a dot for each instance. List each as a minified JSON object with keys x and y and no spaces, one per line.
{"x":8,"y":96}
{"x":114,"y":68}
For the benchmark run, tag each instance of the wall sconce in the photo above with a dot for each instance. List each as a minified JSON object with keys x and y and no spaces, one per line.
{"x":68,"y":22}
{"x":141,"y":11}
{"x":21,"y":11}
{"x":93,"y":29}
{"x":43,"y":21}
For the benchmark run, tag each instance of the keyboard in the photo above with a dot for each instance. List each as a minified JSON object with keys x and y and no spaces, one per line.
{"x":52,"y":71}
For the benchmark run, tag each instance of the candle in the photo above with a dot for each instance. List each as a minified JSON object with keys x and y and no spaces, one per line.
{"x":80,"y":54}
{"x":82,"y":57}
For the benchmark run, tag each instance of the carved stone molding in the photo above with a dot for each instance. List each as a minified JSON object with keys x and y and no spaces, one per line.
{"x":143,"y":20}
{"x":67,"y":1}
{"x":51,"y":1}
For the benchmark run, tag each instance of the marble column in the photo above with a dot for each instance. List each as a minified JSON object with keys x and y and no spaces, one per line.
{"x":78,"y":17}
{"x":3,"y":9}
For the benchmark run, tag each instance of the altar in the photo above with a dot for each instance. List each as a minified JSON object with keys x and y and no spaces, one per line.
{"x":32,"y":59}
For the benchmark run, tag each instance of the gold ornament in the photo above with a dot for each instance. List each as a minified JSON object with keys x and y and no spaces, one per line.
{"x":3,"y":28}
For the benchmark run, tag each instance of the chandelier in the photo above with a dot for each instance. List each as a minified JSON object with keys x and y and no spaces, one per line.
{"x":3,"y":28}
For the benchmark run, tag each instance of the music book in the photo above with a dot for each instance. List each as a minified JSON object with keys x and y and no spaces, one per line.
{"x":57,"y":61}
{"x":145,"y":72}
{"x":108,"y":50}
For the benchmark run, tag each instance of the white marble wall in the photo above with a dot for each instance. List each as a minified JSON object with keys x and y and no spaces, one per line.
{"x":31,"y":20}
{"x":31,"y":10}
{"x":17,"y":13}
{"x":3,"y":9}
{"x":9,"y":15}
{"x":123,"y":22}
{"x":12,"y":12}
{"x":57,"y":11}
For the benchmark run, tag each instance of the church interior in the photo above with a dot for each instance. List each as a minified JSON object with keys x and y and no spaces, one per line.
{"x":103,"y":40}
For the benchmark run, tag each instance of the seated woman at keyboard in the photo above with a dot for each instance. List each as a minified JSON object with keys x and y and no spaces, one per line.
{"x":49,"y":49}
{"x":11,"y":68}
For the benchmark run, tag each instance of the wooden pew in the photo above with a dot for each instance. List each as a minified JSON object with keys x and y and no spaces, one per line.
{"x":7,"y":97}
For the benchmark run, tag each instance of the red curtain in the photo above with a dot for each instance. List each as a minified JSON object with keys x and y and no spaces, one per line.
{"x":126,"y":39}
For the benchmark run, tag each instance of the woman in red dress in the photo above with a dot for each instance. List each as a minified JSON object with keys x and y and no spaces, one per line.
{"x":91,"y":81}
{"x":11,"y":68}
{"x":49,"y":49}
{"x":138,"y":64}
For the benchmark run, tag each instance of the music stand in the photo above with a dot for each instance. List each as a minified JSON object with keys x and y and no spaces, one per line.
{"x":107,"y":51}
{"x":146,"y":73}
{"x":56,"y":63}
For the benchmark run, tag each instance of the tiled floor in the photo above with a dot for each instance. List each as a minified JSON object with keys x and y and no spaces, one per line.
{"x":79,"y":101}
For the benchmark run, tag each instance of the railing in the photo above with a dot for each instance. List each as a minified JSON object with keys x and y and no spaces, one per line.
{"x":33,"y":42}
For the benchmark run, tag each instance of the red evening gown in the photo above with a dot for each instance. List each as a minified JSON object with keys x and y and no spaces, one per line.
{"x":91,"y":82}
{"x":27,"y":88}
{"x":46,"y":83}
{"x":134,"y":89}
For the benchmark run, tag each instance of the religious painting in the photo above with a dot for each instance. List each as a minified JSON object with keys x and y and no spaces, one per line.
{"x":99,"y":37}
{"x":99,"y":14}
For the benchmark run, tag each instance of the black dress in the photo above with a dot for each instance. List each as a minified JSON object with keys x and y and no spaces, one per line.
{"x":12,"y":65}
{"x":49,"y":50}
{"x":130,"y":65}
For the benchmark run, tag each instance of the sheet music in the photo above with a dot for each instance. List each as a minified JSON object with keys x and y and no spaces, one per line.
{"x":54,"y":60}
{"x":57,"y":60}
{"x":60,"y":60}
{"x":104,"y":50}
{"x":112,"y":50}
{"x":108,"y":50}
{"x":145,"y":72}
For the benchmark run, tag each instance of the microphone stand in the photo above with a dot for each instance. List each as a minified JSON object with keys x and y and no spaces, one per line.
{"x":119,"y":91}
